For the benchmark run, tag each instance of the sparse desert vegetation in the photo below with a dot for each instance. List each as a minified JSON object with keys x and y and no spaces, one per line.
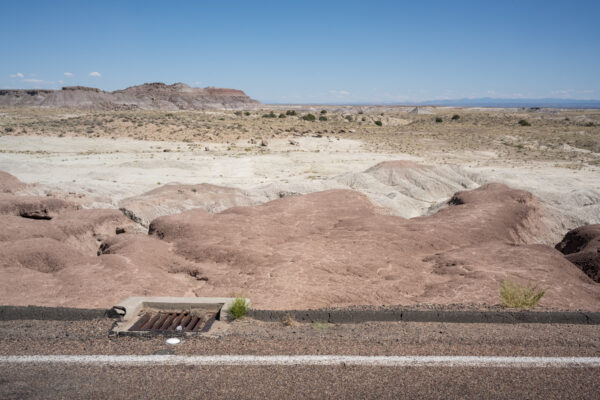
{"x":239,"y":308}
{"x":514,"y":295}
{"x":558,"y":135}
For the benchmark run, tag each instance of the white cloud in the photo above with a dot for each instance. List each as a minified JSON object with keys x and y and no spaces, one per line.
{"x":61,"y":81}
{"x":17,"y":75}
{"x":68,"y":74}
{"x":340,"y":93}
{"x":96,"y":74}
{"x":32,"y":80}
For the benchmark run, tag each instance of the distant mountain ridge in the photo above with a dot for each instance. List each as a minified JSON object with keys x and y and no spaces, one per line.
{"x":149,"y":96}
{"x":516,"y":102}
{"x":479,"y":102}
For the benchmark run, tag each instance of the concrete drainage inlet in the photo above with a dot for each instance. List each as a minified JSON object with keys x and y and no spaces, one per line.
{"x":174,"y":321}
{"x":170,"y":315}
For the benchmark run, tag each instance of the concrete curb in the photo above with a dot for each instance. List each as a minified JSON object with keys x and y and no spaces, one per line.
{"x":8,"y":313}
{"x":450,"y":316}
{"x":337,"y":316}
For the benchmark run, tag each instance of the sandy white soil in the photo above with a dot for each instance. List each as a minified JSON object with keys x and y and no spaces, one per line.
{"x":109,"y":170}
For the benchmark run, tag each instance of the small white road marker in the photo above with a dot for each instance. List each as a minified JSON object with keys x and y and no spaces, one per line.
{"x":375,"y":361}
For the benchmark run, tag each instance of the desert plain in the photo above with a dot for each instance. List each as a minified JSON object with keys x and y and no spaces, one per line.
{"x":365,"y":205}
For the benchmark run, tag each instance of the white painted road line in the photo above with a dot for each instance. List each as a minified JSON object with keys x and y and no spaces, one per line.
{"x":376,"y":361}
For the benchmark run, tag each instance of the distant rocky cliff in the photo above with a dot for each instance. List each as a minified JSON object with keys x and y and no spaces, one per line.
{"x":149,"y":96}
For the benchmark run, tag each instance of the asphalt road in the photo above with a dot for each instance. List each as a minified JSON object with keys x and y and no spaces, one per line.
{"x":47,"y":380}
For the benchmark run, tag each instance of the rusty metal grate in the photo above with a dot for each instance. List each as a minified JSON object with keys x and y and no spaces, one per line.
{"x":153,"y":321}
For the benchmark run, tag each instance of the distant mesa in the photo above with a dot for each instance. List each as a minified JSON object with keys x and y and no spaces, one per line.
{"x":149,"y":96}
{"x":422,"y":110}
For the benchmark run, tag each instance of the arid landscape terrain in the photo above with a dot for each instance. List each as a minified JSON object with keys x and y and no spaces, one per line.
{"x":356,"y":205}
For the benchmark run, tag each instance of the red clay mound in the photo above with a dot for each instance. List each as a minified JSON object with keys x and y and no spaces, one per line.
{"x":581,"y":246}
{"x":175,"y":198}
{"x":33,"y":207}
{"x":41,"y":254}
{"x":86,"y":229}
{"x":10,"y":183}
{"x":478,"y":271}
{"x":331,"y":248}
{"x":19,"y":228}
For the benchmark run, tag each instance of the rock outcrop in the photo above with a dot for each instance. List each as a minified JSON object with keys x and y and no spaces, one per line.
{"x":581,"y":246}
{"x":149,"y":96}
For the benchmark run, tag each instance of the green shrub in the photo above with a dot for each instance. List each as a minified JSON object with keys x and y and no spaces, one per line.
{"x":323,"y":111}
{"x":239,"y":308}
{"x":524,"y":122}
{"x":349,"y":118}
{"x":269,"y":115}
{"x":320,"y":325}
{"x":455,"y":117}
{"x":247,"y":113}
{"x":9,"y":129}
{"x":589,"y":124}
{"x":290,"y":112}
{"x":282,"y":115}
{"x":309,"y":117}
{"x":363,"y":119}
{"x":438,"y":120}
{"x":514,"y":295}
{"x":378,"y":123}
{"x":322,"y":118}
{"x":361,"y":112}
{"x":238,"y":113}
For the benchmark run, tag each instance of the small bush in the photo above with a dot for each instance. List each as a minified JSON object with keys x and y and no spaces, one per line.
{"x":589,"y":124}
{"x":247,"y":113}
{"x":378,"y":123}
{"x":349,"y":118}
{"x":455,"y":117}
{"x":239,"y":308}
{"x":320,"y":325}
{"x":290,"y":112}
{"x":238,"y":113}
{"x":309,"y":117}
{"x":322,"y":118}
{"x":9,"y":129}
{"x":361,"y":112}
{"x":269,"y":115}
{"x":282,"y":115}
{"x":524,"y":122}
{"x":514,"y":295}
{"x":288,"y":320}
{"x":323,"y":111}
{"x":363,"y":119}
{"x":438,"y":120}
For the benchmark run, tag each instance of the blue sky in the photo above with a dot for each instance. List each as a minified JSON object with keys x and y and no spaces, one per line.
{"x":304,"y":51}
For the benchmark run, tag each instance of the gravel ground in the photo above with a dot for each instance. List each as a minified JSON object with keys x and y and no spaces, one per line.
{"x":100,"y":382}
{"x":249,"y":336}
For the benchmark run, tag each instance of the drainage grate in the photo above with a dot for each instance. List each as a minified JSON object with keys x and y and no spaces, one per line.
{"x":169,"y":321}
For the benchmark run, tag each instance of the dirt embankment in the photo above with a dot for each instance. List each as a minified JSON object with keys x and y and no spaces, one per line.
{"x":330,"y":248}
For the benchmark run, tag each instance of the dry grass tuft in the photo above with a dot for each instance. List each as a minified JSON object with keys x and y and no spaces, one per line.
{"x":288,"y":320}
{"x":514,"y":295}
